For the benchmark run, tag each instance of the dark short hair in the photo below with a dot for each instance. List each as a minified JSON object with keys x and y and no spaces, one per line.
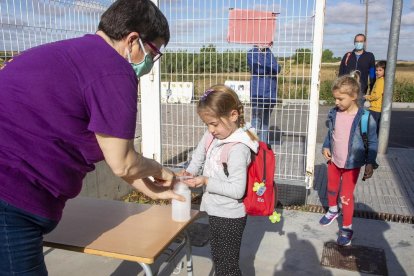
{"x":365,"y":39}
{"x":382,"y":64}
{"x":142,"y":16}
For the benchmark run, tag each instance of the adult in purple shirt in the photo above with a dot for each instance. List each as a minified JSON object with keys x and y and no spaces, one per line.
{"x":63,"y":107}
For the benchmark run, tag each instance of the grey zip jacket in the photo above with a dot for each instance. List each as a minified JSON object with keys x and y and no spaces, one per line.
{"x":223,"y":196}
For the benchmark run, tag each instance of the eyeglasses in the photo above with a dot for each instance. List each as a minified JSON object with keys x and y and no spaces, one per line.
{"x":155,"y":50}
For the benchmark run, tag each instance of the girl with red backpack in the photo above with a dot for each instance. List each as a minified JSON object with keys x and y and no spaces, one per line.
{"x":222,"y":112}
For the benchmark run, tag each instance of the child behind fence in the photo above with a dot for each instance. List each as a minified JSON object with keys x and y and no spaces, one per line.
{"x":377,"y":93}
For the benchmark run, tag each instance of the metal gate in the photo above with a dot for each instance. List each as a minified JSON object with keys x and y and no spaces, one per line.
{"x":198,"y":56}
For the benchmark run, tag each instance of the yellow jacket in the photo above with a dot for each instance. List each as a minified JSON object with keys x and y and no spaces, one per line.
{"x":375,"y":98}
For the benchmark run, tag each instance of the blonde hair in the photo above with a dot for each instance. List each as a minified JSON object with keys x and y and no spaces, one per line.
{"x":219,"y":101}
{"x":348,"y":84}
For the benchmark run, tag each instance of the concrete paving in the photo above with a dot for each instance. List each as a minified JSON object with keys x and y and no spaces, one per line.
{"x":294,"y":246}
{"x":390,"y":190}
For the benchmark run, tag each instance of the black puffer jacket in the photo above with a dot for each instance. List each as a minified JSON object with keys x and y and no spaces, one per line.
{"x":364,"y":64}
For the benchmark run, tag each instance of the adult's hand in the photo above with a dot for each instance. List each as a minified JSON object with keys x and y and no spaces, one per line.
{"x":165,"y":179}
{"x":155,"y":191}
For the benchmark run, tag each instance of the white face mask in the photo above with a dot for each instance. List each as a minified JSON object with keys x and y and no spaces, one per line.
{"x":143,"y":67}
{"x":359,"y":46}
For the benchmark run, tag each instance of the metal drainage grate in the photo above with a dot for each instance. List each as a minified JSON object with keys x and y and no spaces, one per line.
{"x":357,"y":213}
{"x":363,"y":259}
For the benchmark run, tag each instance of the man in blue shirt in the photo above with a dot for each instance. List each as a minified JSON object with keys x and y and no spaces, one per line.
{"x":360,"y":60}
{"x":263,"y":87}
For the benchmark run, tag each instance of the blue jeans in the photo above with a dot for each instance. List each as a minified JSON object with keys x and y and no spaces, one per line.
{"x":21,"y":240}
{"x":261,"y":121}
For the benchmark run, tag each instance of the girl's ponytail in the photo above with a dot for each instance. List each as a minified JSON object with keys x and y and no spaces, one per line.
{"x":356,"y":74}
{"x":348,"y":84}
{"x":246,"y":126}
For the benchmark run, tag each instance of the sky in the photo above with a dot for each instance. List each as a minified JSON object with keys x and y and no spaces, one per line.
{"x":346,"y":18}
{"x":194,"y":23}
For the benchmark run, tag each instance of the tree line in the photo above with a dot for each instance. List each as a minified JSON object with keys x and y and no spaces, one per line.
{"x":209,"y":60}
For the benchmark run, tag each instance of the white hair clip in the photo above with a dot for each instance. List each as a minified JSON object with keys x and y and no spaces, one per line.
{"x":247,"y":126}
{"x":353,"y":73}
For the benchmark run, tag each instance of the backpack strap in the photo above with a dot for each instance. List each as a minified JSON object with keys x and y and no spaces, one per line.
{"x":208,"y":142}
{"x":364,"y":130}
{"x":264,"y":162}
{"x":364,"y":122}
{"x":224,"y":156}
{"x":347,"y":58}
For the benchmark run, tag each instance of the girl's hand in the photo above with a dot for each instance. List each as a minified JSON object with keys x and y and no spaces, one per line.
{"x":183,"y":173}
{"x":369,"y":170}
{"x":196,"y":182}
{"x":327,"y":154}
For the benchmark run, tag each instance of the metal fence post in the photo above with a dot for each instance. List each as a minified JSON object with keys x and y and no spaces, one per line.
{"x":390,"y":76}
{"x":314,"y":95}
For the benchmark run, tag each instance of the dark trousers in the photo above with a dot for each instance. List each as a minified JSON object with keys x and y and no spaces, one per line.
{"x":225,"y":239}
{"x":261,"y":121}
{"x":377,"y":118}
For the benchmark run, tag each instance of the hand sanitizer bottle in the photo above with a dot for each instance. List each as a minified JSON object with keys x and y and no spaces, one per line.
{"x":181,"y":210}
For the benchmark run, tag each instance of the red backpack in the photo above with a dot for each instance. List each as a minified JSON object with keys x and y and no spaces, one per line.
{"x":261,"y":190}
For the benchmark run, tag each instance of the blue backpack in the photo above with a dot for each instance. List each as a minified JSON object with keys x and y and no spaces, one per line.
{"x":364,"y":126}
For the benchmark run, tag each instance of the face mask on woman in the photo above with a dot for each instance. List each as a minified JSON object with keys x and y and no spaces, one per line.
{"x":143,"y":67}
